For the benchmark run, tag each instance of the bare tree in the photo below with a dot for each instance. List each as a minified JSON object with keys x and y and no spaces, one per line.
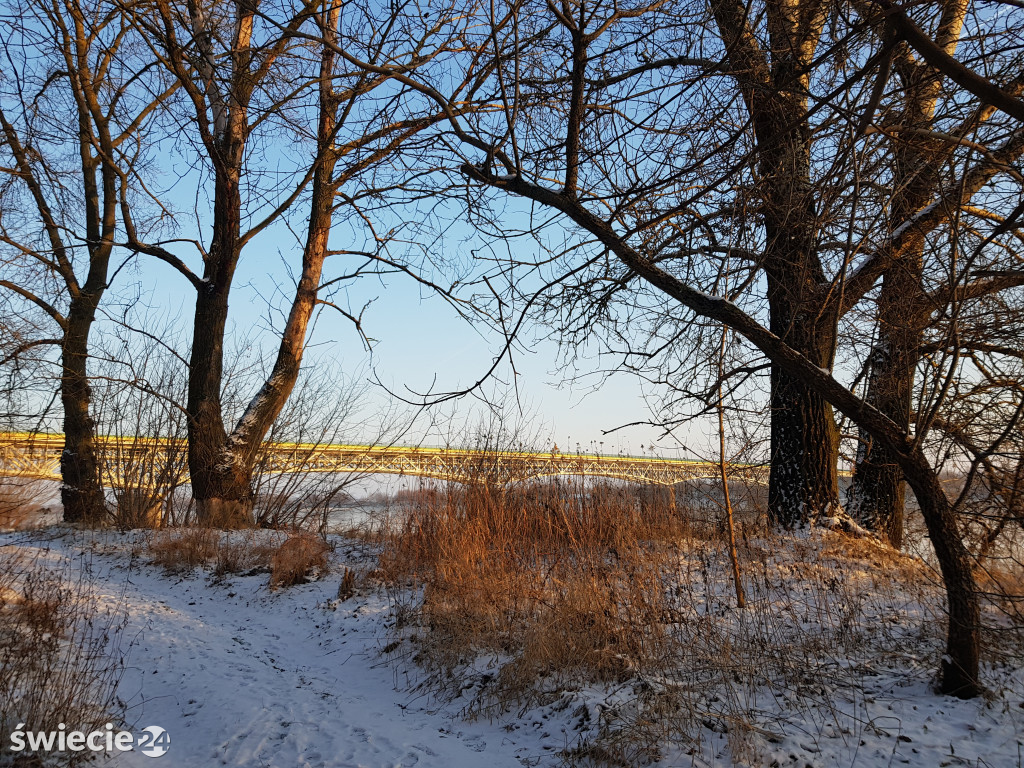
{"x":246,"y":73}
{"x":627,"y":157}
{"x":921,"y":283}
{"x":940,"y":57}
{"x":815,"y":177}
{"x":71,"y":115}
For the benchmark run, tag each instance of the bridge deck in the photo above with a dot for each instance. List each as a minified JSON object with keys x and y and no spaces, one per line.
{"x":38,"y":456}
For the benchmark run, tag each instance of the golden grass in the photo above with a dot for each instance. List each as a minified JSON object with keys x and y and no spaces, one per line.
{"x":17,"y":502}
{"x":347,"y":587}
{"x":183,"y":549}
{"x":244,"y":552}
{"x":565,"y":585}
{"x":138,"y":508}
{"x":560,"y":576}
{"x":1001,"y":583}
{"x":299,"y":559}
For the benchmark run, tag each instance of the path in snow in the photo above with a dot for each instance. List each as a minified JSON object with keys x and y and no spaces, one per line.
{"x":242,"y":676}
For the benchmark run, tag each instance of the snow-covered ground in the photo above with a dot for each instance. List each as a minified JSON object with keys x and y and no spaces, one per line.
{"x":242,"y":675}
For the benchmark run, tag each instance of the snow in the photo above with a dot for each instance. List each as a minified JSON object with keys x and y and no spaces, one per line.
{"x":240,"y":675}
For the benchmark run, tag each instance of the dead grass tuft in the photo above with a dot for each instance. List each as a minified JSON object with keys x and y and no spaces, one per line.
{"x":17,"y":502}
{"x":138,"y":508}
{"x":244,"y":552}
{"x":347,"y":587}
{"x":299,"y":559}
{"x":877,"y":556}
{"x":54,"y":639}
{"x":183,"y":549}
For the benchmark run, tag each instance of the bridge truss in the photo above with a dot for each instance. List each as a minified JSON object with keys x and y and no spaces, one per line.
{"x":124,"y":458}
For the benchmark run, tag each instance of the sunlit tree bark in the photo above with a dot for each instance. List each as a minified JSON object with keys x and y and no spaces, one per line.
{"x":244,"y":68}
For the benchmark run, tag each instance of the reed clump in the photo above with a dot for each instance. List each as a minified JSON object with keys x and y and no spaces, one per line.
{"x":532,"y":597}
{"x":562,"y":576}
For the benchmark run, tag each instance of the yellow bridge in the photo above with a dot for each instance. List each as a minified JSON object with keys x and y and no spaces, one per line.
{"x":151,"y":461}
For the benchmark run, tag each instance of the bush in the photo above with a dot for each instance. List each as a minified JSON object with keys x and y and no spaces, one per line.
{"x":54,"y":661}
{"x":17,"y":502}
{"x":181,"y":550}
{"x":301,"y":557}
{"x":244,"y":552}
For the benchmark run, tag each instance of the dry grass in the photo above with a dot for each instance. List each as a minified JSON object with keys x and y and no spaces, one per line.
{"x":17,"y":502}
{"x":54,"y":662}
{"x":562,"y":577}
{"x":347,"y":587}
{"x":1001,"y":584}
{"x":565,"y":586}
{"x":244,"y":552}
{"x":138,"y":508}
{"x":299,"y":559}
{"x":1003,"y":581}
{"x":183,"y":549}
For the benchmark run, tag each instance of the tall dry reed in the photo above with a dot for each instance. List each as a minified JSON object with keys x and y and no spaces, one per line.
{"x":521,"y":595}
{"x":561,"y":576}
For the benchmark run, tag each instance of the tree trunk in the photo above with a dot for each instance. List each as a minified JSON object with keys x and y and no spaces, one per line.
{"x":265,"y":407}
{"x":958,"y":673}
{"x":774,"y":83}
{"x":221,"y":488}
{"x":221,"y":485}
{"x":803,"y":482}
{"x":876,"y":496}
{"x":81,"y":488}
{"x":222,"y":464}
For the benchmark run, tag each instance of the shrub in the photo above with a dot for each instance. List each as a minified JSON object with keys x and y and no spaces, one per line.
{"x":183,"y":549}
{"x":301,"y":557}
{"x":138,"y":508}
{"x":17,"y":502}
{"x":244,"y":551}
{"x":55,"y":665}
